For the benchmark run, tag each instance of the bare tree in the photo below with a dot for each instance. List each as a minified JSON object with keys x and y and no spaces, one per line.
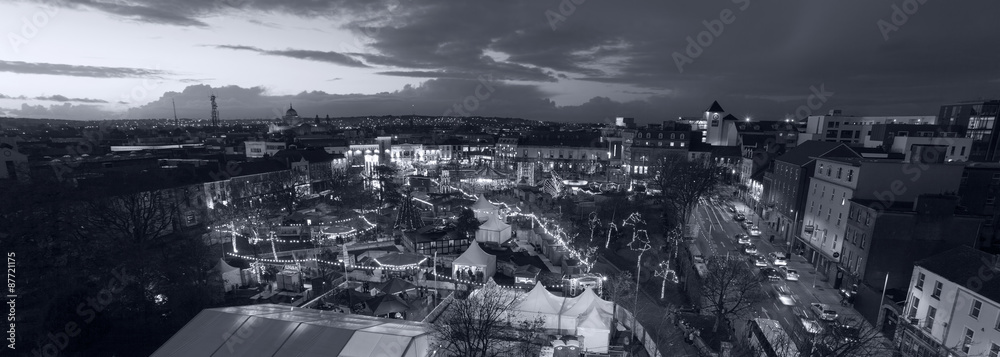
{"x":482,"y":325}
{"x":682,"y":183}
{"x":848,"y":338}
{"x":620,"y":290}
{"x":730,"y":288}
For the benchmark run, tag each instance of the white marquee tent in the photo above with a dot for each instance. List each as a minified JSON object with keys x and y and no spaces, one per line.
{"x":231,"y":276}
{"x":484,"y":208}
{"x":493,"y":230}
{"x":586,"y":315}
{"x":275,"y":330}
{"x":475,"y":258}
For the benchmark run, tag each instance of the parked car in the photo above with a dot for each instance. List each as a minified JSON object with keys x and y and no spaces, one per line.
{"x":849,"y":331}
{"x":742,"y":238}
{"x":770,"y":274}
{"x":750,"y":248}
{"x":745,"y":224}
{"x":739,"y":217}
{"x":790,"y":274}
{"x":811,"y":326}
{"x":732,"y":208}
{"x":758,"y":260}
{"x":778,"y":258}
{"x":823,"y":311}
{"x":784,"y":295}
{"x":754,"y":231}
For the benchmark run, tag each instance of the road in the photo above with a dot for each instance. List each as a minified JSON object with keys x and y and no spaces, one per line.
{"x":716,"y":237}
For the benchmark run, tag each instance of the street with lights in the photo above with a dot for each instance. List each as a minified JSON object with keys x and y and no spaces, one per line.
{"x":790,"y":302}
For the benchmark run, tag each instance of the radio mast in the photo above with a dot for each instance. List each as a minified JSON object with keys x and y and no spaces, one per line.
{"x":215,"y":112}
{"x":176,"y":122}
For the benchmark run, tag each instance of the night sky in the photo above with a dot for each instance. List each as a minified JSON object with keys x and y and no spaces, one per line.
{"x":572,"y":60}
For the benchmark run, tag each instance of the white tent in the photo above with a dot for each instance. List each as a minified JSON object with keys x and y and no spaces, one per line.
{"x":230,"y":275}
{"x":493,"y":230}
{"x":586,"y":315}
{"x":484,"y":208}
{"x":541,"y":303}
{"x":475,"y":259}
{"x":595,"y":328}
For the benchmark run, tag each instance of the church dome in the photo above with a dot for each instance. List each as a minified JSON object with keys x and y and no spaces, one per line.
{"x":291,"y":113}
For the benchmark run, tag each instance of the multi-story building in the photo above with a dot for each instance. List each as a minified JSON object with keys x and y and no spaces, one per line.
{"x":836,"y":181}
{"x":979,"y":120}
{"x":881,"y":245}
{"x":788,"y":183}
{"x":579,"y":152}
{"x":258,"y":149}
{"x":952,"y":306}
{"x":899,"y":138}
{"x":853,"y":130}
{"x":721,"y":130}
{"x":979,"y":191}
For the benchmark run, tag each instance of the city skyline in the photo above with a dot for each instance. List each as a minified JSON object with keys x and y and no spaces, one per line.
{"x":574,"y":61}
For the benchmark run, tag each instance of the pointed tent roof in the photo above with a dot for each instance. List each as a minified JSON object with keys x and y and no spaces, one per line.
{"x":586,"y":302}
{"x":474,"y":256}
{"x":396,"y":285}
{"x":541,"y":301}
{"x":593,"y":320}
{"x":386,"y":304}
{"x":489,"y":173}
{"x":482,"y":204}
{"x":224,"y":267}
{"x":715,"y":108}
{"x":493,"y":223}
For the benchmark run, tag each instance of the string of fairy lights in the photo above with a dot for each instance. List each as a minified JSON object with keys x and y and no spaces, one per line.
{"x":556,"y":232}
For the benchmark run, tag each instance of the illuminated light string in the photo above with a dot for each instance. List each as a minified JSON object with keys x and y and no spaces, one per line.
{"x":256,"y":260}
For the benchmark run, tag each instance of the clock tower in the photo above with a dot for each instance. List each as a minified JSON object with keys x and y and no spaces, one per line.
{"x":714,"y":120}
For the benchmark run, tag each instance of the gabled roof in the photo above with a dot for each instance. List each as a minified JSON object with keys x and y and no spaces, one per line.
{"x":288,"y":331}
{"x":539,"y":300}
{"x":730,"y":117}
{"x":805,"y":153}
{"x":715,"y":108}
{"x":961,"y":263}
{"x":474,"y":256}
{"x":493,"y":223}
{"x":484,"y":205}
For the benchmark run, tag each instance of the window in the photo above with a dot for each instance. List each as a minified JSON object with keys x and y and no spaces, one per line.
{"x":840,"y":216}
{"x":863,"y":236}
{"x":976,"y":307}
{"x":952,"y":151}
{"x":997,"y":325}
{"x":914,"y":306}
{"x":682,"y":136}
{"x":963,"y":151}
{"x":967,"y":342}
{"x":661,"y":136}
{"x":937,"y":290}
{"x":840,"y":171}
{"x":994,"y":350}
{"x":850,"y":175}
{"x":929,"y":321}
{"x":920,"y":282}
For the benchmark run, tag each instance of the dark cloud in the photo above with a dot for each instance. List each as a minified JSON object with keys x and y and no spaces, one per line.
{"x":61,"y":98}
{"x":78,"y":71}
{"x":319,"y":56}
{"x":764,"y":63}
{"x":4,"y":96}
{"x":60,"y":111}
